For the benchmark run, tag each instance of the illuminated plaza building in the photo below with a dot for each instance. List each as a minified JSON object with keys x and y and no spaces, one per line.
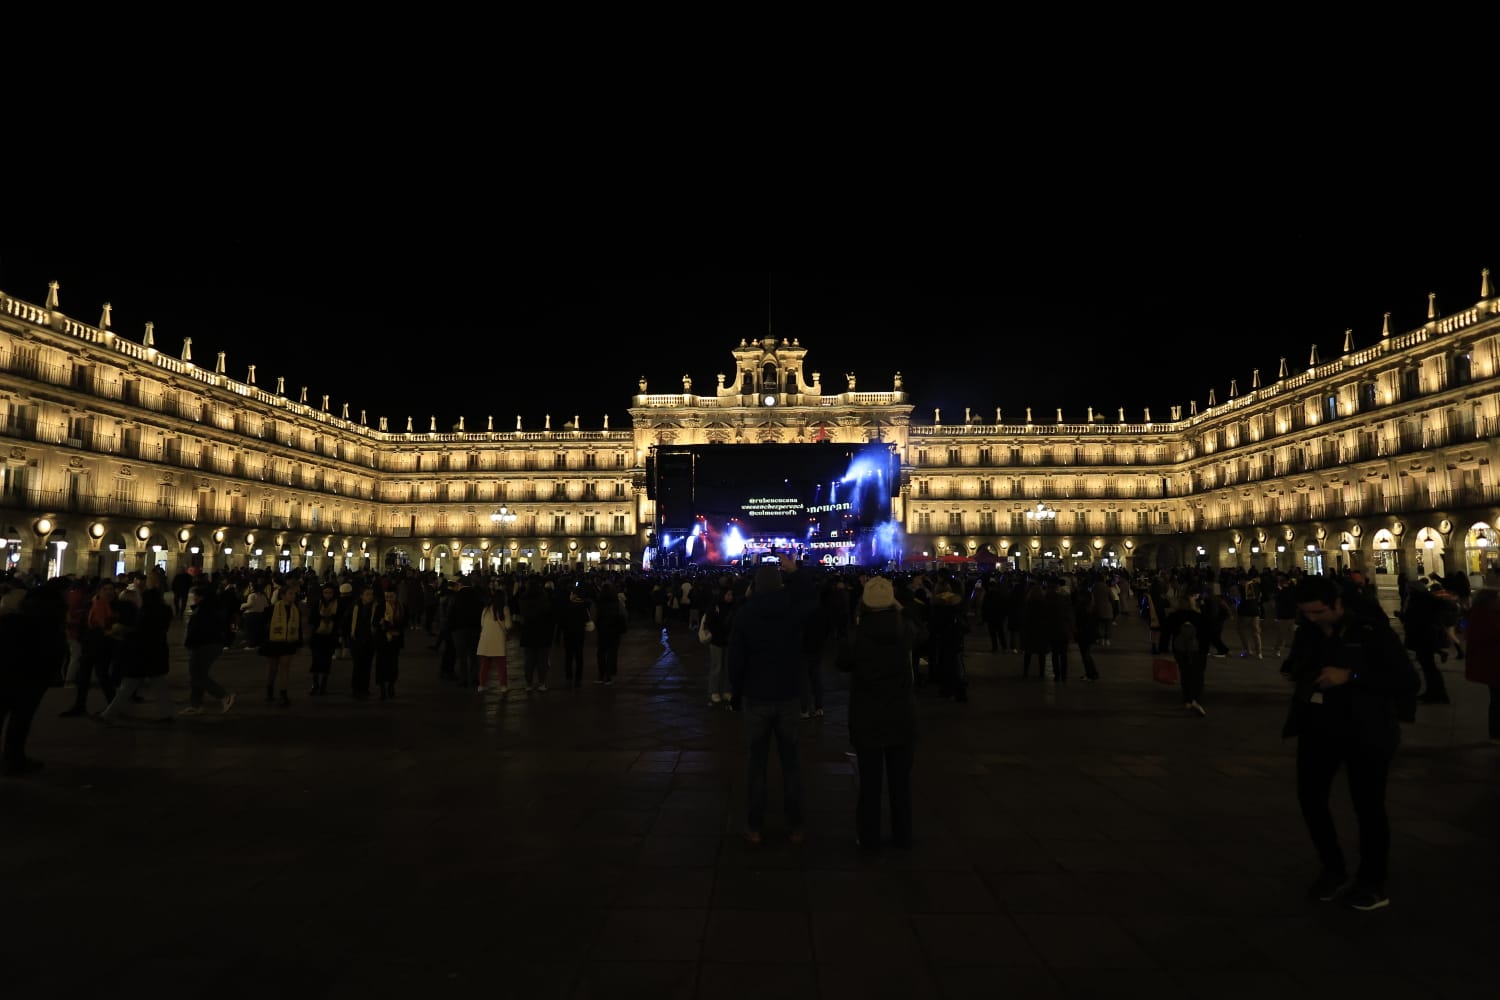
{"x":119,"y":455}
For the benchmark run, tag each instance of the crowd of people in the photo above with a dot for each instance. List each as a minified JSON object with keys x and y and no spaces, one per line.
{"x":769,"y":634}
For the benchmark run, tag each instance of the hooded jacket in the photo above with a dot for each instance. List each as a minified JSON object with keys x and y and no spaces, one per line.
{"x":765,"y":641}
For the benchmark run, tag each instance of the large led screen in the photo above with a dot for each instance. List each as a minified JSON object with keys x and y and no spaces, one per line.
{"x":723,"y":504}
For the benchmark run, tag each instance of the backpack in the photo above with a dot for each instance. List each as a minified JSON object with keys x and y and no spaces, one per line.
{"x":1185,"y":642}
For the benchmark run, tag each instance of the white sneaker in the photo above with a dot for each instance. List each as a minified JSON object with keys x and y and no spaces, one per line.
{"x":541,"y":687}
{"x":528,"y":687}
{"x":504,"y":689}
{"x":480,"y":689}
{"x":1198,"y":708}
{"x":228,"y":702}
{"x":191,"y":710}
{"x":715,"y":699}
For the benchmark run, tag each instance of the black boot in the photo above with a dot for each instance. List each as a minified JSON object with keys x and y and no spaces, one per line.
{"x":270,"y":692}
{"x":284,"y":701}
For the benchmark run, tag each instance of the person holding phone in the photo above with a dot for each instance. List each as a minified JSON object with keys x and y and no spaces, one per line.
{"x":1350,"y":671}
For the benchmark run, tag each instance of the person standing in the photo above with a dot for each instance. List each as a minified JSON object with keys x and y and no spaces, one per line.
{"x":720,"y":617}
{"x":466,"y":605}
{"x":1350,"y":671}
{"x":97,"y":650}
{"x":1284,"y":612}
{"x":494,"y":632}
{"x":143,"y":654}
{"x":765,"y":675}
{"x":182,"y":586}
{"x":390,"y":637}
{"x":360,"y":636}
{"x":538,"y":621}
{"x":207,"y":635}
{"x":1425,"y":636}
{"x":1247,"y":614}
{"x":282,"y":639}
{"x":882,"y":711}
{"x":1058,"y":626}
{"x":347,"y":600}
{"x":253,"y":613}
{"x":610,"y":619}
{"x":1482,"y":664}
{"x":947,"y":627}
{"x":34,"y":641}
{"x":323,"y":641}
{"x":575,"y":618}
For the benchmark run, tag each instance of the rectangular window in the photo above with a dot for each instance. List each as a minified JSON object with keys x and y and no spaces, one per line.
{"x":619,"y":491}
{"x":559,"y":524}
{"x":984,"y":455}
{"x":560,"y":460}
{"x":589,"y":523}
{"x":955,"y":523}
{"x":987,"y":522}
{"x":955,"y":457}
{"x":924,"y":522}
{"x":619,"y":524}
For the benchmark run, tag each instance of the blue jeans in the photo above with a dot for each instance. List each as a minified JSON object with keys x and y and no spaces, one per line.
{"x":763,"y":719}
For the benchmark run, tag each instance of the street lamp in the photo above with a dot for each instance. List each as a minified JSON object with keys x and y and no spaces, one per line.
{"x":503,"y":515}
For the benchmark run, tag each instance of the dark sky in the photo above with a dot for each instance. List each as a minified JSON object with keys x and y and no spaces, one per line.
{"x":1131,"y":309}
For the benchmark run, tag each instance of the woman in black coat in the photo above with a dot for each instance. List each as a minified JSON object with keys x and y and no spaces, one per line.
{"x":142,"y":654}
{"x":882,"y":709}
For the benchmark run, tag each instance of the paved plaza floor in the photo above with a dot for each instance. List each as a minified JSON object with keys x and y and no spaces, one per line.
{"x":1072,"y":840}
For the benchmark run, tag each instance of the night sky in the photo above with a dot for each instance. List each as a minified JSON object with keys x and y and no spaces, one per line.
{"x":1124,"y":310}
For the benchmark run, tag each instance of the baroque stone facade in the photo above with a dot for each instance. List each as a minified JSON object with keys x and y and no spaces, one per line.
{"x":120,"y":455}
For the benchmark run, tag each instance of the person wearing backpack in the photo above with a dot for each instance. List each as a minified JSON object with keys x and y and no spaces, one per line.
{"x":1183,"y":632}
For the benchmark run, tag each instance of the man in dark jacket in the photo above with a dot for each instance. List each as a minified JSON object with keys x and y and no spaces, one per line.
{"x":34,"y":642}
{"x":464,"y":610}
{"x":766,"y":669}
{"x":1351,"y":672}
